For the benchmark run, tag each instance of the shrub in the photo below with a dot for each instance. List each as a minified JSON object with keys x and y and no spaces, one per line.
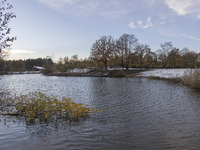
{"x":40,"y":106}
{"x":48,"y":70}
{"x":116,"y":73}
{"x":192,"y":78}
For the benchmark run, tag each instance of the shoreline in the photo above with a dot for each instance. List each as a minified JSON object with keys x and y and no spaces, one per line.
{"x":20,"y":72}
{"x":174,"y":75}
{"x":100,"y":73}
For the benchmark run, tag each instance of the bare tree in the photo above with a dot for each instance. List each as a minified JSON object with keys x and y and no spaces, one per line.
{"x":103,"y":49}
{"x":141,"y":50}
{"x":126,"y":45}
{"x":5,"y":17}
{"x":150,"y":58}
{"x":189,"y":58}
{"x":166,"y":48}
{"x":174,"y":57}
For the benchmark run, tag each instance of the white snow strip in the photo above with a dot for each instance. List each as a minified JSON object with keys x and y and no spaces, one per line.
{"x":165,"y":73}
{"x":78,"y":70}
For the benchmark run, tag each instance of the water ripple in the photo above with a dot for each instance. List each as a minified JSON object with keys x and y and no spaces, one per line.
{"x":137,"y":114}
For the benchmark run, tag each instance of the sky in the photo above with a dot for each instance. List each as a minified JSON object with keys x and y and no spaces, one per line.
{"x":61,"y":28}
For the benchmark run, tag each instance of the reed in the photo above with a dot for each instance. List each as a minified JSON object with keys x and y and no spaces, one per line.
{"x":192,"y":78}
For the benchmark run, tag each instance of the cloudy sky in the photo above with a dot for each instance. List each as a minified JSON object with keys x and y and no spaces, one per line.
{"x":60,"y":28}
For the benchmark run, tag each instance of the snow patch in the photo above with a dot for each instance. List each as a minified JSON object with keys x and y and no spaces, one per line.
{"x":165,"y":73}
{"x":76,"y":70}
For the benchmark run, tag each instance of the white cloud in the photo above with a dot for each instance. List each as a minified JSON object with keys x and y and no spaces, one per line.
{"x":108,"y":8}
{"x":191,"y":37}
{"x":69,"y":1}
{"x":21,"y":51}
{"x":185,"y":7}
{"x":92,"y":7}
{"x":148,"y":23}
{"x":163,"y":22}
{"x":58,"y":5}
{"x":132,"y":25}
{"x":142,"y":25}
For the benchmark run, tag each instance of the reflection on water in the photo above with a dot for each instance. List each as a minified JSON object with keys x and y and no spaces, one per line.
{"x":137,"y":114}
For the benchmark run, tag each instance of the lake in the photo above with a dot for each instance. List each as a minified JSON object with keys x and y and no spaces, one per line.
{"x":137,"y":113}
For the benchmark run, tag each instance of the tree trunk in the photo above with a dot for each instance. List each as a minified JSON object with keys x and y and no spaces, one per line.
{"x":127,"y":65}
{"x":122,"y":64}
{"x":105,"y":64}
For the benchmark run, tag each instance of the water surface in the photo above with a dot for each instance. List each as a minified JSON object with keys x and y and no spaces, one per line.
{"x":138,"y":113}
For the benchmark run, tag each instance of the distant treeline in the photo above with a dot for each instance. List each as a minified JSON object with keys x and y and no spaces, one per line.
{"x":62,"y":65}
{"x":124,"y":52}
{"x":23,"y":65}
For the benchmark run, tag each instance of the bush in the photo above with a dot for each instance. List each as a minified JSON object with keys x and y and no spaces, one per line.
{"x":39,"y":106}
{"x":192,"y":78}
{"x":47,"y":71}
{"x":116,"y":73}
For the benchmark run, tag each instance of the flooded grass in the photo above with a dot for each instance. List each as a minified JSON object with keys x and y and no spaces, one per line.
{"x":40,"y":106}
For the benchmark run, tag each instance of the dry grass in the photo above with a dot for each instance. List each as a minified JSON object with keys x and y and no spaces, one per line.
{"x":192,"y":78}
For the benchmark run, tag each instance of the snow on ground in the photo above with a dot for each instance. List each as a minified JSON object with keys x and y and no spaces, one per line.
{"x":78,"y":70}
{"x":160,"y":73}
{"x":165,"y":73}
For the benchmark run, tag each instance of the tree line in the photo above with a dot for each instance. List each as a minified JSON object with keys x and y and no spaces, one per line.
{"x":23,"y":65}
{"x":125,"y":52}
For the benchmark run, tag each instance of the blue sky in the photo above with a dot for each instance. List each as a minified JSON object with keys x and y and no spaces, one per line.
{"x":60,"y":28}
